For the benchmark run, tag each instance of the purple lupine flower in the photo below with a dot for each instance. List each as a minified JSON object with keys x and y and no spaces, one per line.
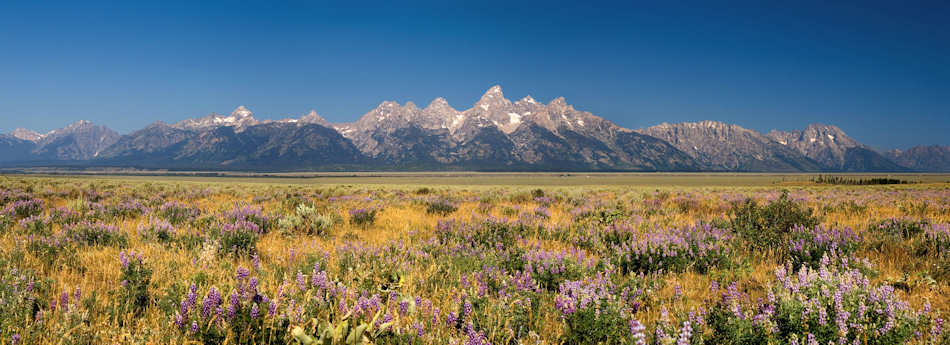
{"x":179,"y":321}
{"x":251,"y":291}
{"x":451,"y":319}
{"x":301,"y":281}
{"x":403,"y":308}
{"x":637,"y":329}
{"x":194,"y":327}
{"x":242,"y":273}
{"x":468,"y":309}
{"x":234,"y":305}
{"x":254,"y":311}
{"x":15,"y":339}
{"x":124,"y":259}
{"x":211,"y":302}
{"x":686,"y":332}
{"x":64,"y":299}
{"x":420,"y":329}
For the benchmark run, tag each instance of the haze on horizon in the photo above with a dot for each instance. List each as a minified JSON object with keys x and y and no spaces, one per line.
{"x":878,"y":70}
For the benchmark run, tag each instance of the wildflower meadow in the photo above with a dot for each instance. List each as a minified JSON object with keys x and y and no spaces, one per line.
{"x":96,"y":260}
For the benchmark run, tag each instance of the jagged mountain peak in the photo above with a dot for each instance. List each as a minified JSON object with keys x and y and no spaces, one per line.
{"x":241,"y":111}
{"x":560,"y":104}
{"x":833,"y":149}
{"x":492,"y":98}
{"x":440,"y":105}
{"x":79,"y":123}
{"x":240,"y":118}
{"x":386,"y":105}
{"x":80,"y":140}
{"x":313,"y":117}
{"x":527,"y":100}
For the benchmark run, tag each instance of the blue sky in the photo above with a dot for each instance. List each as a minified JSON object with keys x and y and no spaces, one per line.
{"x":879,"y":70}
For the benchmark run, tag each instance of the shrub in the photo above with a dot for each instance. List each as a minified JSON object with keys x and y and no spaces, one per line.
{"x":136,"y":277}
{"x":542,"y":212}
{"x":52,"y":248}
{"x":537,"y":193}
{"x":699,"y":248}
{"x":934,"y":246}
{"x":242,"y":314}
{"x":807,"y":246}
{"x":178,"y":213}
{"x":36,"y":225}
{"x":126,"y":209}
{"x":23,"y":296}
{"x":768,"y":226}
{"x":97,"y":234}
{"x":239,"y":238}
{"x":249,"y":214}
{"x":24,"y":208}
{"x":290,"y":223}
{"x":322,"y":223}
{"x":158,"y":230}
{"x":363,"y":216}
{"x":440,"y":207}
{"x":550,"y":269}
{"x":831,"y":304}
{"x":306,"y":218}
{"x":900,"y":228}
{"x":591,"y":313}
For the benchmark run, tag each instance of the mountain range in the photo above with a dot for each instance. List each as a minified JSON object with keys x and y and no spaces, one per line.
{"x":495,"y":134}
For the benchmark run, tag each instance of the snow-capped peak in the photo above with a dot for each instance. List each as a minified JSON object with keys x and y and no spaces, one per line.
{"x":78,"y":124}
{"x":528,"y":100}
{"x":241,"y":111}
{"x":27,"y":134}
{"x":240,"y":118}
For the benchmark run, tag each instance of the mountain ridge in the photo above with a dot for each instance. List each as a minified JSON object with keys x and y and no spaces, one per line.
{"x":494,"y":134}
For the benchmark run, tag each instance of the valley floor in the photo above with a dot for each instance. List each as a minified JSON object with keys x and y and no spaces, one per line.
{"x":473,"y":258}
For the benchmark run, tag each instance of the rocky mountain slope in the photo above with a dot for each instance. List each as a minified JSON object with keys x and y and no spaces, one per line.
{"x":79,"y":141}
{"x":235,"y":142}
{"x":719,"y":146}
{"x":833,"y":149}
{"x":923,"y":158}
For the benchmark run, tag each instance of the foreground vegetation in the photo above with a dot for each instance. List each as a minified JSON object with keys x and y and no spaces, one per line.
{"x":168,"y":262}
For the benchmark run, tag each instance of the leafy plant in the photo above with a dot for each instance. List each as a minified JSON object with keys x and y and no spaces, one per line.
{"x":363,"y":216}
{"x":343,"y":333}
{"x":134,"y":283}
{"x":768,"y":226}
{"x":440,"y":207}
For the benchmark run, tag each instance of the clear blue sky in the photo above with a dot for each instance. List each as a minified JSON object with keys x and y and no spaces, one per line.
{"x":881,"y":71}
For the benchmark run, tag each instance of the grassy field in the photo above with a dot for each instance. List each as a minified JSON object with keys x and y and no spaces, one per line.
{"x":473,"y":258}
{"x":593,"y":180}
